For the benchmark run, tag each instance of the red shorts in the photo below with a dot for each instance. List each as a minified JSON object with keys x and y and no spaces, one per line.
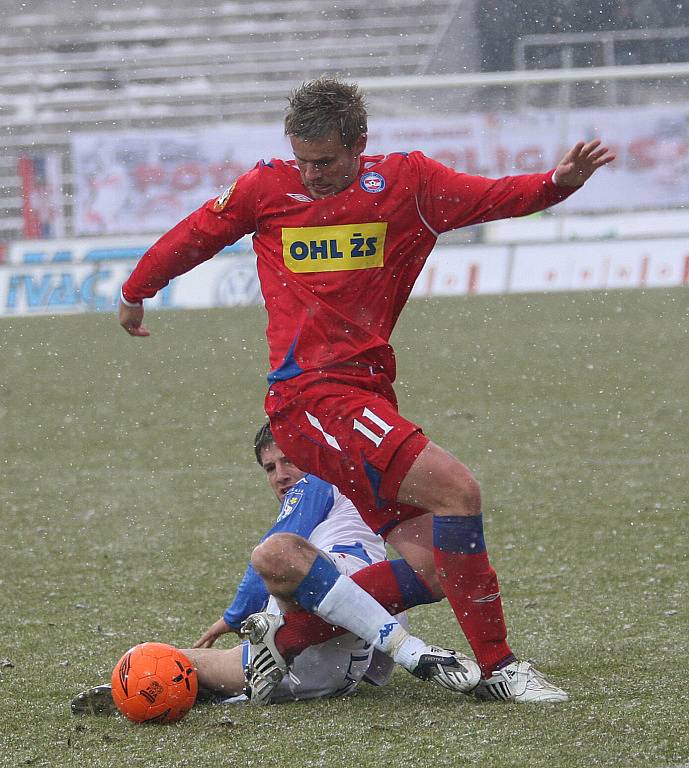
{"x":344,"y":427}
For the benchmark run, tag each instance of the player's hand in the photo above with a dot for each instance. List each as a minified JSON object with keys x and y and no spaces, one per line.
{"x":581,"y":162}
{"x":131,"y":319}
{"x":207,"y":639}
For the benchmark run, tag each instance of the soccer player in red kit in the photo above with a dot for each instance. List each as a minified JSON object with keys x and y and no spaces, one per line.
{"x":340,"y":239}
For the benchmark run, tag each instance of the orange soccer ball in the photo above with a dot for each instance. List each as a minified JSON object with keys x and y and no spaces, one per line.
{"x":154,"y":682}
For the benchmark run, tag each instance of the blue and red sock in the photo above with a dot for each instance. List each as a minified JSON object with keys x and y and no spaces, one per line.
{"x":471,"y":586}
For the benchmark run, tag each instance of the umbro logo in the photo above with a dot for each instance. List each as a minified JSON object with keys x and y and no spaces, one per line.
{"x":300,"y":198}
{"x":487,"y":598}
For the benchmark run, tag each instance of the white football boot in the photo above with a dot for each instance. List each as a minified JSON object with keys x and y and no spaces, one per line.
{"x":519,"y":682}
{"x":448,"y":668}
{"x":266,"y":666}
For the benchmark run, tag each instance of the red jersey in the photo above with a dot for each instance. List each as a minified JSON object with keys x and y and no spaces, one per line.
{"x":336,"y":272}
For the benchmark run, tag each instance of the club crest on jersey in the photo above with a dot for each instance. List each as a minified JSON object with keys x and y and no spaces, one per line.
{"x":339,"y":248}
{"x":372,"y":182}
{"x":222,"y":201}
{"x":290,"y":503}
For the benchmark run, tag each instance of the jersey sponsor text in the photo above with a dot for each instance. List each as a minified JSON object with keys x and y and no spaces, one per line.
{"x":334,"y":249}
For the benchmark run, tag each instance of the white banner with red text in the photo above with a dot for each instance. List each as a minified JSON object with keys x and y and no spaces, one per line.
{"x":147,"y":181}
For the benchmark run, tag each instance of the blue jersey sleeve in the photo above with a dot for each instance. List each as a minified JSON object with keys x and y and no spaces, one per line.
{"x":251,"y":597}
{"x":306,"y":505}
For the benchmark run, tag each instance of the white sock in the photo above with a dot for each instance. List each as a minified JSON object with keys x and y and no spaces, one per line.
{"x":408,"y":651}
{"x":347,"y":605}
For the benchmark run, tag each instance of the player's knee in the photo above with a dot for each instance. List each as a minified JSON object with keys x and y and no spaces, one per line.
{"x":282,"y":556}
{"x":459,"y":489}
{"x":471,"y":491}
{"x":271,"y":556}
{"x":440,"y":483}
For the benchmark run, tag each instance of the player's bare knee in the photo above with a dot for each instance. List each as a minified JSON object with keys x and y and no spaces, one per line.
{"x":457,"y":492}
{"x":283,"y":557}
{"x":469,"y":490}
{"x":270,"y":556}
{"x":440,"y":483}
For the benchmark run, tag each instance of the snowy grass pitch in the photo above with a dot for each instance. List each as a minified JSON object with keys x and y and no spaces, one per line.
{"x":130,"y":499}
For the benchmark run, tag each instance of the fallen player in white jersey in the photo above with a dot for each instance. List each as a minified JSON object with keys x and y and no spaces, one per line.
{"x":317,"y":511}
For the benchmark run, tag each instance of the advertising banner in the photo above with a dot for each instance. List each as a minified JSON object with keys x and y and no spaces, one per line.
{"x":95,"y":249}
{"x":603,"y":264}
{"x":545,"y":227}
{"x":148,"y":181}
{"x":79,"y":281}
{"x":651,"y":143}
{"x":76,"y":287}
{"x":464,"y":270}
{"x":47,"y":289}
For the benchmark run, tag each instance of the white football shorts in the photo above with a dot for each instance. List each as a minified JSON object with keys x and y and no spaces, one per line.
{"x":333,"y":668}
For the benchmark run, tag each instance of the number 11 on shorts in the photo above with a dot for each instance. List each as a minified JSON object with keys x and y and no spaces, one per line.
{"x":372,"y":435}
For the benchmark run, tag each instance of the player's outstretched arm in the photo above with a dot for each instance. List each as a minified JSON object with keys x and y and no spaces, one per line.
{"x":207,"y":639}
{"x":581,"y":162}
{"x":131,"y":319}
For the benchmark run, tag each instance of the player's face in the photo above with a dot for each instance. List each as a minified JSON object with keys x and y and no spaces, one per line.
{"x":280,"y":471}
{"x":326,"y":165}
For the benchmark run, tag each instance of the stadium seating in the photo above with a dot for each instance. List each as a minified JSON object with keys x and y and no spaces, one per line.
{"x":89,"y":66}
{"x":92,"y":65}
